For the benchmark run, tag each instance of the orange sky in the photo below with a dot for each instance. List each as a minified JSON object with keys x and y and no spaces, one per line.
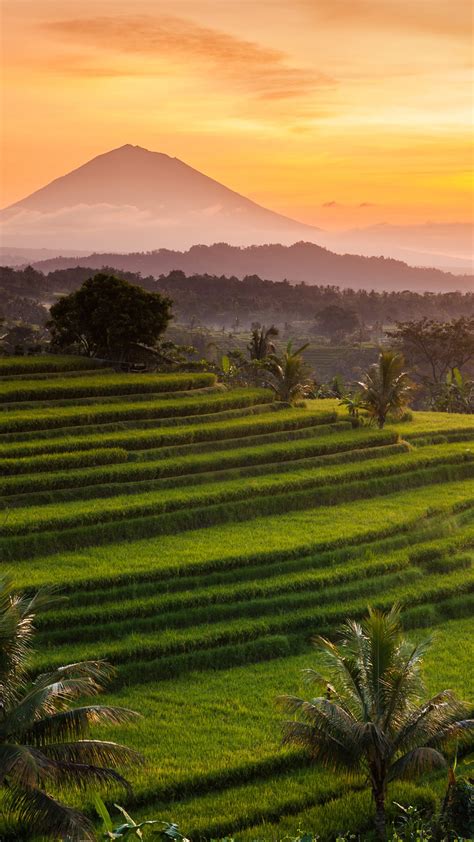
{"x":337,"y":112}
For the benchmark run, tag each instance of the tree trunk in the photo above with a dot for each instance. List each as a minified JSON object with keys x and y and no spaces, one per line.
{"x":380,"y":825}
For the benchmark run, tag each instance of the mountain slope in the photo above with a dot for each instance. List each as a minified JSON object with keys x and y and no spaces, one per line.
{"x":301,"y":262}
{"x":131,"y":198}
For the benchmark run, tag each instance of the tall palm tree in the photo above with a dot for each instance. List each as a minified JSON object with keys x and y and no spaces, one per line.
{"x":44,"y":740}
{"x":288,"y":374}
{"x":261,"y":344}
{"x":371,"y":717}
{"x":385,"y":387}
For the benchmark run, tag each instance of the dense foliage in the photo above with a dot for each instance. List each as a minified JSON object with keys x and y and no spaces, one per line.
{"x":44,"y":739}
{"x":108,"y":317}
{"x":219,"y":300}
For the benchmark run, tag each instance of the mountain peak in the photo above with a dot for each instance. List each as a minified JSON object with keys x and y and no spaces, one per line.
{"x":133,"y":198}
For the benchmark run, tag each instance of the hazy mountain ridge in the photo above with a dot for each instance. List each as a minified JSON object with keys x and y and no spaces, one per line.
{"x":301,"y":262}
{"x":131,"y":198}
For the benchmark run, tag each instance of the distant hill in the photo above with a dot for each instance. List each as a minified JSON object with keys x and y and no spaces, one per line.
{"x":131,"y":198}
{"x":301,"y":262}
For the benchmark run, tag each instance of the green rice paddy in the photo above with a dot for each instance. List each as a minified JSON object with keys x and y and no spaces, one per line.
{"x":201,"y":538}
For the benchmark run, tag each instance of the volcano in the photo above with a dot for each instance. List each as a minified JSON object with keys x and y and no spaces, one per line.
{"x":131,"y":199}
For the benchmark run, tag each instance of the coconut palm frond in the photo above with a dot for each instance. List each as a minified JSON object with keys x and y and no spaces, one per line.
{"x":415,"y":762}
{"x":433,"y":721}
{"x":43,"y":814}
{"x":76,"y":723}
{"x":324,"y":747}
{"x":92,"y":752}
{"x":42,"y":737}
{"x":347,"y":668}
{"x":22,"y":765}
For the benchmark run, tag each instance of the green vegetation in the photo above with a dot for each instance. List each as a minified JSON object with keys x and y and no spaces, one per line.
{"x":45,"y":741}
{"x":202,"y":537}
{"x":385,"y":388}
{"x":44,"y":364}
{"x":108,"y":317}
{"x":371,"y":716}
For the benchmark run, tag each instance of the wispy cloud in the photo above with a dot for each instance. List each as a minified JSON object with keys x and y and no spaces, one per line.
{"x":182,"y":44}
{"x":438,"y":17}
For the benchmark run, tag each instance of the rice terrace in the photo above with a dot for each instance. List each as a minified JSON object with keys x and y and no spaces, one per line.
{"x":236,"y":421}
{"x":202,"y":536}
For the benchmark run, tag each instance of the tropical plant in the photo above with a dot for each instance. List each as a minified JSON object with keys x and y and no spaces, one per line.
{"x":44,"y":741}
{"x":371,"y":716}
{"x":456,"y":394}
{"x":169,"y":832}
{"x":261,"y":344}
{"x":385,"y":388}
{"x":353,"y":403}
{"x":289,"y":375}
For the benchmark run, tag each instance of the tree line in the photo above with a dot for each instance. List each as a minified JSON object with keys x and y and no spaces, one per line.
{"x":226,"y":301}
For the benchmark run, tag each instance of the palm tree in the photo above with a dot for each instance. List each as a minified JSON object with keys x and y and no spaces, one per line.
{"x":44,"y":741}
{"x":289,"y":375}
{"x":261,"y":344}
{"x":372,"y":717}
{"x":385,"y":387}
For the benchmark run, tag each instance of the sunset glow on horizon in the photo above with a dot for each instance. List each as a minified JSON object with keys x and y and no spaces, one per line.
{"x":339,"y":113}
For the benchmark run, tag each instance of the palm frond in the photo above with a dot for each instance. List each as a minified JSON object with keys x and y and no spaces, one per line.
{"x":415,"y":762}
{"x":92,"y":752}
{"x":76,"y":722}
{"x":43,"y":814}
{"x":430,"y":723}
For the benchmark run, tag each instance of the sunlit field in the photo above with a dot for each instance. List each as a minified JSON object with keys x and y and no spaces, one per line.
{"x":201,"y":538}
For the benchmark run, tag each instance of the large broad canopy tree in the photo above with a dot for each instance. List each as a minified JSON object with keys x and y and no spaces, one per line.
{"x":108,"y":317}
{"x":434,"y":349}
{"x":336,"y":322}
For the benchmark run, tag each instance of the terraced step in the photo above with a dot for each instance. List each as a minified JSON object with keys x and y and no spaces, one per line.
{"x":47,"y":477}
{"x":130,"y":410}
{"x":107,"y":401}
{"x":101,"y":385}
{"x":48,"y":375}
{"x":46,"y":364}
{"x":150,"y":424}
{"x":28,"y":496}
{"x":307,"y":620}
{"x":283,"y":421}
{"x":435,"y":538}
{"x":300,"y":489}
{"x":215,"y":600}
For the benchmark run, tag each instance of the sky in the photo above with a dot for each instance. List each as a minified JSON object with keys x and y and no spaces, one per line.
{"x":339,"y":113}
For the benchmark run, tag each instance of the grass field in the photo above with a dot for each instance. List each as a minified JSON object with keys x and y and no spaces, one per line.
{"x":200,"y":538}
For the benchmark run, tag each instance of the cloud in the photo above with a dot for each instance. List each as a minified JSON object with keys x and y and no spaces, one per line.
{"x":334,"y":204}
{"x":171,"y":43}
{"x":438,"y":17}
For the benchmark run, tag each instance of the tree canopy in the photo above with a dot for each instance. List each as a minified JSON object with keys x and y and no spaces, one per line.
{"x":108,"y":317}
{"x":436,"y":348}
